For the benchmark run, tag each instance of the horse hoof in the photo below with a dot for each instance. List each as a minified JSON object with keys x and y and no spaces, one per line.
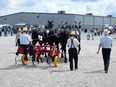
{"x":65,"y":61}
{"x":33,"y":62}
{"x":62,"y":56}
{"x":33,"y":59}
{"x":41,"y":60}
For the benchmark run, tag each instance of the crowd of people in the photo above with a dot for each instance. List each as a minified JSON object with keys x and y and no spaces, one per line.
{"x":6,"y":32}
{"x":97,"y":32}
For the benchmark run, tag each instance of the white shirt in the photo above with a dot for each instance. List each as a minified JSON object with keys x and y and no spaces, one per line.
{"x":24,"y":39}
{"x":75,"y":42}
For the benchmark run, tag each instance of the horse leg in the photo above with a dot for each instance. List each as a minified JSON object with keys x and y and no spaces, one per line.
{"x":57,"y":46}
{"x":62,"y":54}
{"x":65,"y":58}
{"x":39,"y":58}
{"x":79,"y":49}
{"x":62,"y":51}
{"x":45,"y":53}
{"x":79,"y":45}
{"x":33,"y":59}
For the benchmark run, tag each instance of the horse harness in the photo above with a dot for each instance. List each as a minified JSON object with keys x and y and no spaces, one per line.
{"x":72,"y":44}
{"x":72,"y":49}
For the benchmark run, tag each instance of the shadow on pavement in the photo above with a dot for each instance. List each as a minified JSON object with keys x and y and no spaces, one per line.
{"x":59,"y":71}
{"x":16,"y":66}
{"x":92,"y":72}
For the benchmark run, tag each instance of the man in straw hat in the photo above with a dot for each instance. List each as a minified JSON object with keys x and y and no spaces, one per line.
{"x":106,"y":44}
{"x":17,"y":39}
{"x":73,"y":44}
{"x":25,"y":42}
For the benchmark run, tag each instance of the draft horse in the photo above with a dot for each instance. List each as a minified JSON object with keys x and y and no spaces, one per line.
{"x":77,"y":26}
{"x":49,"y":25}
{"x":64,"y":35}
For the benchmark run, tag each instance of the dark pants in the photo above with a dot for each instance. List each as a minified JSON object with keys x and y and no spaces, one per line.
{"x":34,"y":42}
{"x":106,"y":57}
{"x":0,"y":33}
{"x":30,"y":46}
{"x":73,"y":55}
{"x":63,"y":47}
{"x":18,"y":42}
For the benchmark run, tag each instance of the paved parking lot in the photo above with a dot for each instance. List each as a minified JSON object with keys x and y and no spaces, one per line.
{"x":89,"y":74}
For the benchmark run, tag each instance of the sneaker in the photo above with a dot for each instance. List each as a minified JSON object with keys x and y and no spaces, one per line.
{"x":65,"y":61}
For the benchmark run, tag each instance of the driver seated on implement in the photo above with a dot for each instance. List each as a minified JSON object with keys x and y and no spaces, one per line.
{"x":25,"y":42}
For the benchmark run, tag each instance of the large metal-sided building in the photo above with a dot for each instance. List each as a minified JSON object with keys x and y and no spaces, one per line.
{"x":88,"y":21}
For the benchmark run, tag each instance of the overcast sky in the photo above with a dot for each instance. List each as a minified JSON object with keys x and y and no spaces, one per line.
{"x":97,"y":7}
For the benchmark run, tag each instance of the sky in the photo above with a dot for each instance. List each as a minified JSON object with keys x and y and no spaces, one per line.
{"x":97,"y":7}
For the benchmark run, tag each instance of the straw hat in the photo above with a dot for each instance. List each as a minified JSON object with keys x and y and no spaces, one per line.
{"x":19,"y":30}
{"x":73,"y":33}
{"x":106,"y":31}
{"x":25,"y":29}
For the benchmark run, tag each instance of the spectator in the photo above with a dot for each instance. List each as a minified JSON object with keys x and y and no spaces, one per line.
{"x":17,"y":39}
{"x":73,"y":45}
{"x":106,"y":44}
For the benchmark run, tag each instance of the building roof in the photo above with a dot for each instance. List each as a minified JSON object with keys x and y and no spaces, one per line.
{"x":54,"y":14}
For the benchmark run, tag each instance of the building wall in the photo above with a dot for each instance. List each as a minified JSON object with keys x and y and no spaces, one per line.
{"x":10,"y":19}
{"x":107,"y":20}
{"x":98,"y":22}
{"x":78,"y":18}
{"x":87,"y":21}
{"x":113,"y":22}
{"x":36,"y":19}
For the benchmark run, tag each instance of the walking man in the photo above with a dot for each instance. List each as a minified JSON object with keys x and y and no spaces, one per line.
{"x":17,"y":39}
{"x":73,"y":45}
{"x":106,"y":44}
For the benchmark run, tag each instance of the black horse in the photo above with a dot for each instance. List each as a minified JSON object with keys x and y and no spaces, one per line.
{"x":64,"y":35}
{"x":49,"y":25}
{"x":52,"y":36}
{"x":56,"y":37}
{"x":36,"y":33}
{"x":34,"y":36}
{"x":77,"y":27}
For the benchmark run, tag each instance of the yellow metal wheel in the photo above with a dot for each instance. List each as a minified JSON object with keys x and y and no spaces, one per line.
{"x":39,"y":59}
{"x":24,"y":59}
{"x":56,"y":61}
